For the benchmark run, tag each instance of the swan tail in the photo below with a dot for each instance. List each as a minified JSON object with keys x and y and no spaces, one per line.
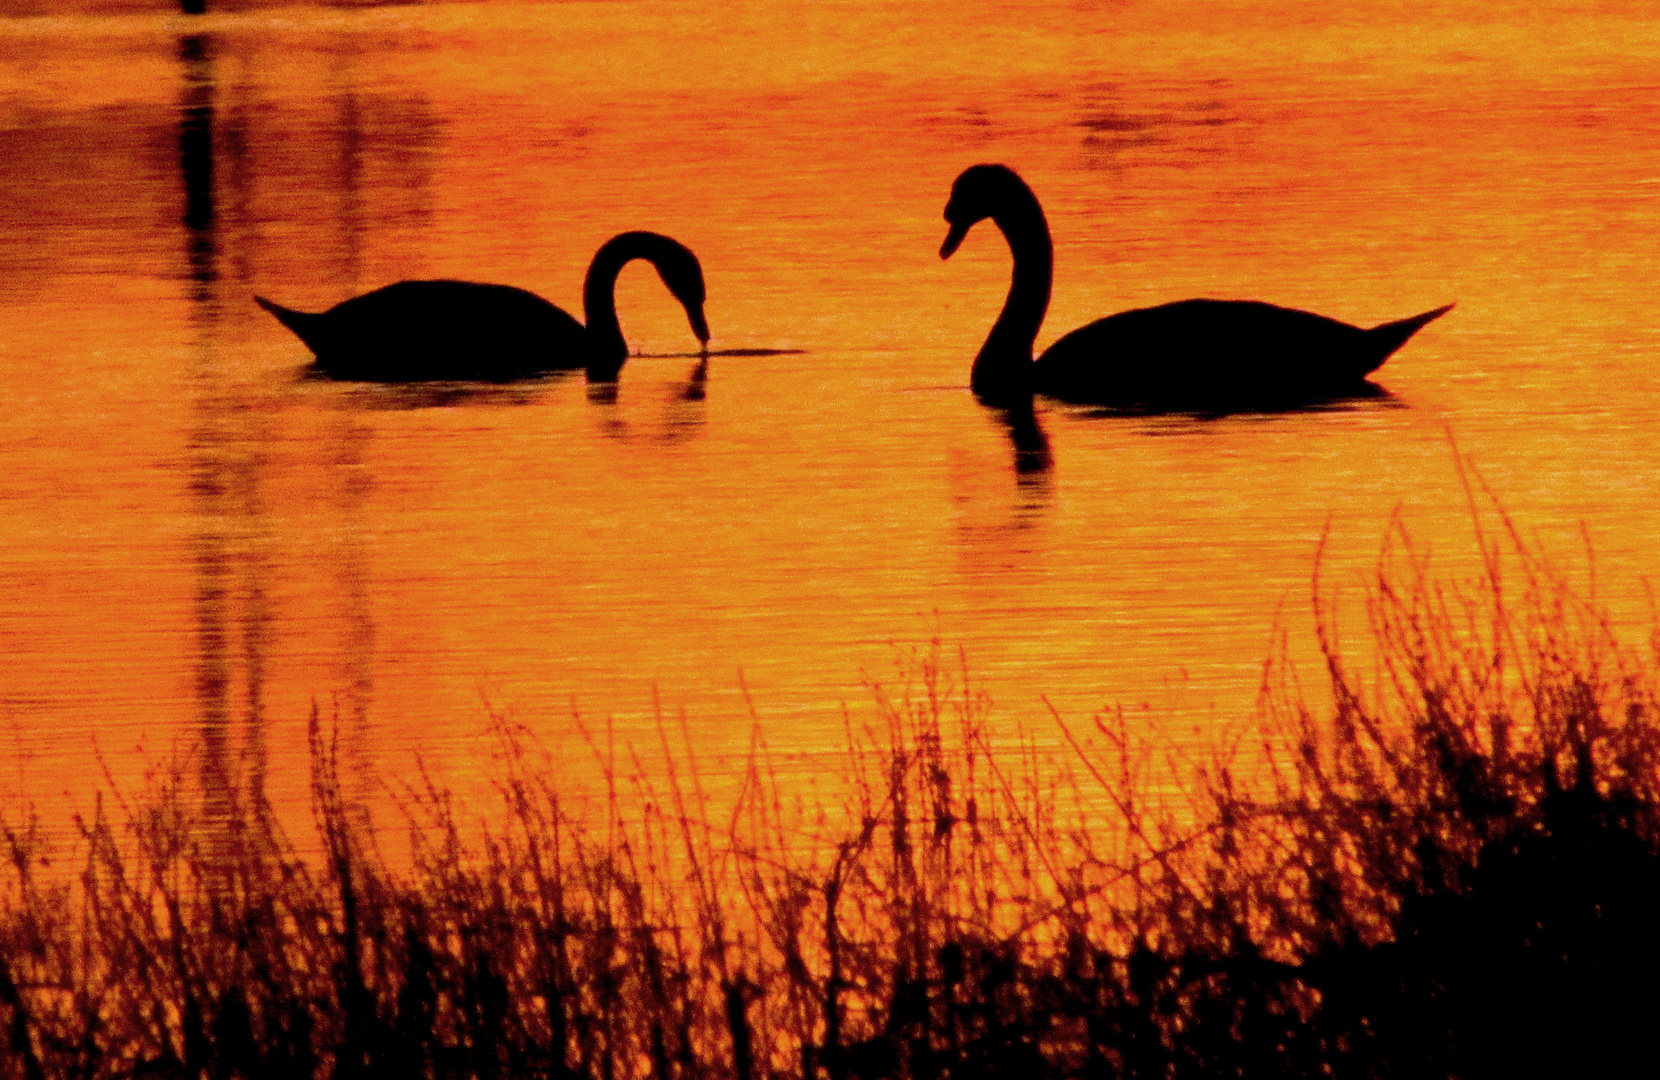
{"x":1387,"y":337}
{"x":304,"y":324}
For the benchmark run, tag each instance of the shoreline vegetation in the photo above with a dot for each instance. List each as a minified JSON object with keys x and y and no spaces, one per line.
{"x":1452,"y":870}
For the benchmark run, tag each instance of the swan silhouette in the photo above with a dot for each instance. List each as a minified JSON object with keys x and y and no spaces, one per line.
{"x":1191,"y":354}
{"x":461,"y":330}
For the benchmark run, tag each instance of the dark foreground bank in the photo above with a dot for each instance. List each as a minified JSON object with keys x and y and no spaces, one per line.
{"x":1451,"y":872}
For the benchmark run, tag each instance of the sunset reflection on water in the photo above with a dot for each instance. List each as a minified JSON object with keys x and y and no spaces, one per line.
{"x":200,"y":544}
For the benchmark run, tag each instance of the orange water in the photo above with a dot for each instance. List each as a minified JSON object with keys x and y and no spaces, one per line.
{"x":196,"y":545}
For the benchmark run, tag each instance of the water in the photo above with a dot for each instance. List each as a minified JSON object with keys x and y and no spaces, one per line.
{"x":199,"y":545}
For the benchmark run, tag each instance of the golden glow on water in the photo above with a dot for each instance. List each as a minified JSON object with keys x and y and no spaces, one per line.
{"x":196,"y":545}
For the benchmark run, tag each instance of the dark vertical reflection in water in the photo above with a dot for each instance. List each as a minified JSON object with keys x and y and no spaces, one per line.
{"x":1031,"y":445}
{"x":196,"y":165}
{"x":348,"y":463}
{"x":375,"y":157}
{"x":349,"y":444}
{"x":697,"y":384}
{"x":230,"y":174}
{"x":686,"y":410}
{"x":999,"y":527}
{"x":231,"y":608}
{"x":682,"y":416}
{"x":608,"y":417}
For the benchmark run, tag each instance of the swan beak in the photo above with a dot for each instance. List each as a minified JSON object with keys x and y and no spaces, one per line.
{"x":953,"y":239}
{"x":699,"y":326}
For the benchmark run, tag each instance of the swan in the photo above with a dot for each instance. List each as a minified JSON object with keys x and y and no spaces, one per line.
{"x":1190,"y":354}
{"x":421,"y":330}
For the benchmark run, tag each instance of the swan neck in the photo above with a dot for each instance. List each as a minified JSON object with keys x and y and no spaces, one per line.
{"x":1002,"y":369}
{"x":599,"y":296}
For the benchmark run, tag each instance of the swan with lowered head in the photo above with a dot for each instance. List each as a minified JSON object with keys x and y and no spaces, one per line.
{"x":461,"y":330}
{"x":1187,"y":355}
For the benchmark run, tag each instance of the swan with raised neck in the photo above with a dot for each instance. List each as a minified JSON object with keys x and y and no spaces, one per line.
{"x":1002,"y":371}
{"x":415,"y":331}
{"x":1190,"y":354}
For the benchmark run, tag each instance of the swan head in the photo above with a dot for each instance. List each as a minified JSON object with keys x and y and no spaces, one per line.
{"x":683,"y":275}
{"x":980,"y":192}
{"x":680,"y":271}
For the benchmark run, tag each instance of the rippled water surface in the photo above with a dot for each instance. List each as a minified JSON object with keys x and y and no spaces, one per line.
{"x":197,"y":544}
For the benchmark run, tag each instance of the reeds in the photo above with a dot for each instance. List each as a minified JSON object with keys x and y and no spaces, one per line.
{"x":1453,"y":872}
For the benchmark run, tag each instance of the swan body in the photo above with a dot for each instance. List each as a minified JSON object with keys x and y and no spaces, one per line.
{"x":1191,"y":354}
{"x":415,"y":331}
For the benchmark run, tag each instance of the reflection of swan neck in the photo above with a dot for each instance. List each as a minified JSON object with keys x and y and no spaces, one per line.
{"x":1031,"y":445}
{"x":1002,"y":370}
{"x":599,"y":292}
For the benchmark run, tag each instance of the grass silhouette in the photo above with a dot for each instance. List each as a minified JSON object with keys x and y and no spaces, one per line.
{"x":1452,"y":871}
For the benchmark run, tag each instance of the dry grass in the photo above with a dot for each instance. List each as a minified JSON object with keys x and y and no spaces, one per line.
{"x":1453,"y":873}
